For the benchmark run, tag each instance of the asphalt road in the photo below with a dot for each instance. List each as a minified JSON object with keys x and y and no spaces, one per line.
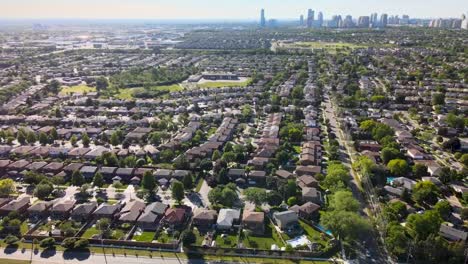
{"x":375,"y":254}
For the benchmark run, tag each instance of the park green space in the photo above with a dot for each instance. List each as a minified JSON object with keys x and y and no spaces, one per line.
{"x":221,"y":84}
{"x":81,"y":89}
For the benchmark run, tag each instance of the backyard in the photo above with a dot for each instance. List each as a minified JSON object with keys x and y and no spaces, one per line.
{"x":90,"y":232}
{"x":145,"y":236}
{"x":265,"y":241}
{"x":314,"y":235}
{"x":226,"y":240}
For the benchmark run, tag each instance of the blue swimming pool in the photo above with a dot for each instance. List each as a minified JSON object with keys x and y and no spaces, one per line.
{"x":390,"y":180}
{"x":328,"y":232}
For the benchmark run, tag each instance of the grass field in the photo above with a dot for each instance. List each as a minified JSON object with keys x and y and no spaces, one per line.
{"x":224,"y":84}
{"x":144,"y":237}
{"x":127,"y":93}
{"x":77,"y":89}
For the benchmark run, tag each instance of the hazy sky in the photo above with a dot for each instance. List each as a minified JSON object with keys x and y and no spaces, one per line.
{"x":223,"y":9}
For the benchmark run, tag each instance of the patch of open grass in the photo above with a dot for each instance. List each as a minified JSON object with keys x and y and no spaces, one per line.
{"x":145,"y":236}
{"x":169,"y":88}
{"x":313,"y":234}
{"x":90,"y":232}
{"x":77,"y":89}
{"x":265,"y":241}
{"x":226,"y":240}
{"x":224,"y":84}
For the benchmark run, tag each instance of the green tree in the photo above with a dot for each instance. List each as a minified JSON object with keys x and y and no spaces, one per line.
{"x":422,"y":225}
{"x":257,"y":196}
{"x":101,"y":84}
{"x":48,"y":242}
{"x":438,"y":99}
{"x":53,"y":133}
{"x":229,"y":197}
{"x":115,"y":140}
{"x":43,"y":189}
{"x":77,"y":178}
{"x":387,"y":154}
{"x":344,"y":201}
{"x":419,"y":170}
{"x":396,"y":240}
{"x":31,"y":138}
{"x":349,"y":226}
{"x":188,"y":181}
{"x":425,"y":192}
{"x":85,"y":139}
{"x":398,"y":167}
{"x":73,"y":140}
{"x":98,"y":180}
{"x":21,"y":137}
{"x":177,"y":189}
{"x":148,"y":181}
{"x":43,"y":138}
{"x":444,"y":208}
{"x":216,"y":155}
{"x":7,"y":187}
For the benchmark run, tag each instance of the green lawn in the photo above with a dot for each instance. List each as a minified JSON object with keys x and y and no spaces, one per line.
{"x":169,"y":88}
{"x":313,"y":234}
{"x":229,"y":241}
{"x":77,"y":89}
{"x":269,"y":238}
{"x":90,"y":232}
{"x":164,"y":237}
{"x":199,"y":237}
{"x":127,"y":94}
{"x":224,"y":84}
{"x":145,"y":237}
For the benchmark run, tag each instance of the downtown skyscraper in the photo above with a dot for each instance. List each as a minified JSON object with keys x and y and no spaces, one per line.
{"x":310,"y":18}
{"x":262,"y":18}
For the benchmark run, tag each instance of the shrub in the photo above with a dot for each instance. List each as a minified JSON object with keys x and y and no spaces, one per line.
{"x":11,"y":240}
{"x":69,"y":243}
{"x":82,"y":243}
{"x":47,"y":242}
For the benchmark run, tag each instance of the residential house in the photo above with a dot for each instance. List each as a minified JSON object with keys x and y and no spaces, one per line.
{"x":19,"y":205}
{"x":286,"y":219}
{"x":105,"y":210}
{"x":39,"y":209}
{"x":204,"y":218}
{"x":227,"y":218}
{"x":62,"y":209}
{"x":175,"y":217}
{"x":152,"y":214}
{"x":311,"y":194}
{"x":307,"y":211}
{"x":83,"y":212}
{"x":452,"y":233}
{"x":254,"y":222}
{"x":131,"y":211}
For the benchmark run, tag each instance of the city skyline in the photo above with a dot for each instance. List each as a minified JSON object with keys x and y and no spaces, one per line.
{"x":219,"y":10}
